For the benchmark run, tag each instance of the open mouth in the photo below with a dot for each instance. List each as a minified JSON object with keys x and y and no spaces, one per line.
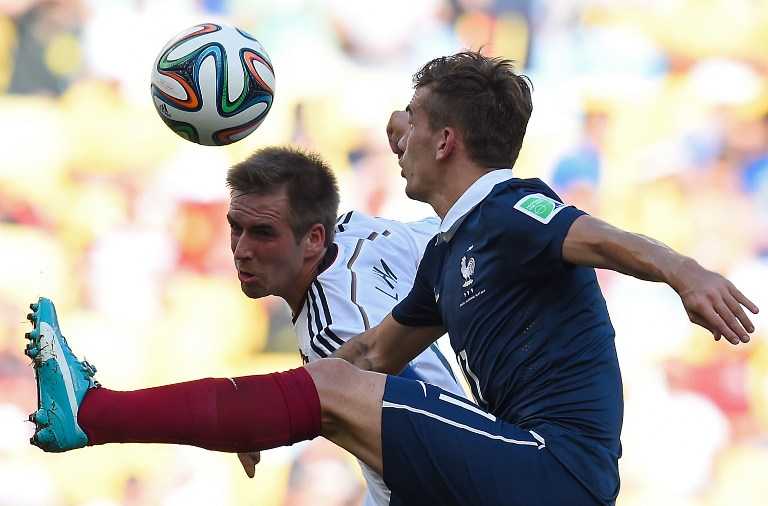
{"x":245,"y":276}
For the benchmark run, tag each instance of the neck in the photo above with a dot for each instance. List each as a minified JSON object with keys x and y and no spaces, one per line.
{"x":457,"y":182}
{"x":303,"y":281}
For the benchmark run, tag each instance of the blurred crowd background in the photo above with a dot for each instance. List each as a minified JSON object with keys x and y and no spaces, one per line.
{"x":651,"y":114}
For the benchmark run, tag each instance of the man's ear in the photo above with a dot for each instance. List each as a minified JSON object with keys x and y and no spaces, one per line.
{"x":315,"y":239}
{"x":447,"y":143}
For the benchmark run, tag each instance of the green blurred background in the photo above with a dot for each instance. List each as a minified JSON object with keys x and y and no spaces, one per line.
{"x":651,"y":114}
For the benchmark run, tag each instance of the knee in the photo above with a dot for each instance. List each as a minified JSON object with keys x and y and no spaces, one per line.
{"x":345,"y":391}
{"x":331,"y":373}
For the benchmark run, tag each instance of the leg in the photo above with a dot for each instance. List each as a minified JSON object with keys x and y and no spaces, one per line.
{"x":350,"y":401}
{"x":242,"y":414}
{"x":439,"y":448}
{"x":227,"y":414}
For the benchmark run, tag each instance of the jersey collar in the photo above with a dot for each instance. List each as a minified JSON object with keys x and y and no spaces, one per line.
{"x":469,"y":200}
{"x":330,"y":256}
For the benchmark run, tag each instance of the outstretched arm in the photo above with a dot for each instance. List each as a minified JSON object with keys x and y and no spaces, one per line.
{"x":710,"y":300}
{"x":389,"y":346}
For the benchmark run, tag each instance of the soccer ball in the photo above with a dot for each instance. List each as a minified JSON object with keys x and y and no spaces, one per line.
{"x":213,"y":84}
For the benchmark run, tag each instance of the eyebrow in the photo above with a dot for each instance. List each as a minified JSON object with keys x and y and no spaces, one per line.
{"x":253,"y":226}
{"x":236,"y":194}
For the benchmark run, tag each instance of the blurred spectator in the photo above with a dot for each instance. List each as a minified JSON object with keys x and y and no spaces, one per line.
{"x":723,"y":380}
{"x":14,"y":210}
{"x":48,"y":52}
{"x":323,"y":474}
{"x":576,"y":175}
{"x":659,"y":414}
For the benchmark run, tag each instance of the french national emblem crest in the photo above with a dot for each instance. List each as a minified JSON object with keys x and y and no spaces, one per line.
{"x":467,"y":270}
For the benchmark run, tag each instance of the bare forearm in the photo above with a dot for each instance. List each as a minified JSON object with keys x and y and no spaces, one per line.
{"x":644,"y":258}
{"x":356,"y":352}
{"x":594,"y":243}
{"x":367,"y":351}
{"x":387,"y":347}
{"x":709,"y":299}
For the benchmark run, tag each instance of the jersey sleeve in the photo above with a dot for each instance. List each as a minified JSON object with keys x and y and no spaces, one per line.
{"x":377,"y":261}
{"x":533,"y":232}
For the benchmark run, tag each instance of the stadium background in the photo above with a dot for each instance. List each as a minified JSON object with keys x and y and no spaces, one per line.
{"x":652,"y":114}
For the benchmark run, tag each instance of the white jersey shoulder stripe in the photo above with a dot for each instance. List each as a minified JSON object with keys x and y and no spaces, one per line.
{"x":316,"y":301}
{"x":325,"y":342}
{"x":322,"y":339}
{"x":343,"y":220}
{"x":321,"y":345}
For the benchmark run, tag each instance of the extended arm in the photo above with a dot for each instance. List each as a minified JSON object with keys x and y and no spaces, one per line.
{"x":710,"y":300}
{"x":389,"y":346}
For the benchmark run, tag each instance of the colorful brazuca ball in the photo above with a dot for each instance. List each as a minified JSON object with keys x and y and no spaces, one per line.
{"x":213,"y":84}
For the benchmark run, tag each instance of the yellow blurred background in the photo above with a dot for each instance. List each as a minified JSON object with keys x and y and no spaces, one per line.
{"x":651,"y":114}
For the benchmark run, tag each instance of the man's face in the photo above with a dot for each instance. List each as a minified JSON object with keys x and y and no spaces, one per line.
{"x":267,"y":257}
{"x":418,"y":146}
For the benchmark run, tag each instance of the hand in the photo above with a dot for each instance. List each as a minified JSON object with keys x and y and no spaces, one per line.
{"x":396,"y":129}
{"x":715,"y":303}
{"x":249,"y":461}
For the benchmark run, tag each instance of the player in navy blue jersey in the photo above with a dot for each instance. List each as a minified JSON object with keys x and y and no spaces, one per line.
{"x":509,"y":275}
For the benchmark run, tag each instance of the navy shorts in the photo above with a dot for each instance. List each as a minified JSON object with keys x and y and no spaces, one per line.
{"x":440,"y":449}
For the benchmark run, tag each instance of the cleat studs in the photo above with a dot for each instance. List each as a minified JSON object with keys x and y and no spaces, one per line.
{"x":39,"y":417}
{"x":34,"y":306}
{"x":44,"y":438}
{"x":88,"y":368}
{"x":31,"y":351}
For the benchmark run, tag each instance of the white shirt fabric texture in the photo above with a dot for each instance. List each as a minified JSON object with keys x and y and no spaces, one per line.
{"x":373,"y":270}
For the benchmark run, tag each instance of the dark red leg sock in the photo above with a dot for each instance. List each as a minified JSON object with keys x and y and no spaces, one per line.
{"x":244,"y":414}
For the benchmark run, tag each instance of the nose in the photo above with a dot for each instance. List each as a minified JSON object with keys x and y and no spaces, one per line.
{"x":240,"y":249}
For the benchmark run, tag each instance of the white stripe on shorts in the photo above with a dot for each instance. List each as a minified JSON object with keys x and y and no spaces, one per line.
{"x":540,"y":443}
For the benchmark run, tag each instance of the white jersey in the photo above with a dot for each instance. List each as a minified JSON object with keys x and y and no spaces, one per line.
{"x":370,"y":269}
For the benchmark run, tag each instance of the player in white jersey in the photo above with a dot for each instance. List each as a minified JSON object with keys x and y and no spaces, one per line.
{"x":365,"y":272}
{"x":339,"y":279}
{"x":368,"y":269}
{"x":339,"y":276}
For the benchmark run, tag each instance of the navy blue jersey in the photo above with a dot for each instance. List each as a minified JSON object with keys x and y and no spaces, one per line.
{"x":531,"y":332}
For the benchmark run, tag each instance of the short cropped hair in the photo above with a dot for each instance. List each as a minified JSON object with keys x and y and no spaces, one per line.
{"x":309,"y":183}
{"x":484,"y":98}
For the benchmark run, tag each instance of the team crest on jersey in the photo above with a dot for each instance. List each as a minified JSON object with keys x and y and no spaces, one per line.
{"x":539,"y":207}
{"x":467,"y":270}
{"x":471,"y":291}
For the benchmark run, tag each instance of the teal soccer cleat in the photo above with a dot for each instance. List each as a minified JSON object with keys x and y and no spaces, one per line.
{"x":62,"y":382}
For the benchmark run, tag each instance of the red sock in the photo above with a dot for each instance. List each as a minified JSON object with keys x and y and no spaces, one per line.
{"x":244,"y":414}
